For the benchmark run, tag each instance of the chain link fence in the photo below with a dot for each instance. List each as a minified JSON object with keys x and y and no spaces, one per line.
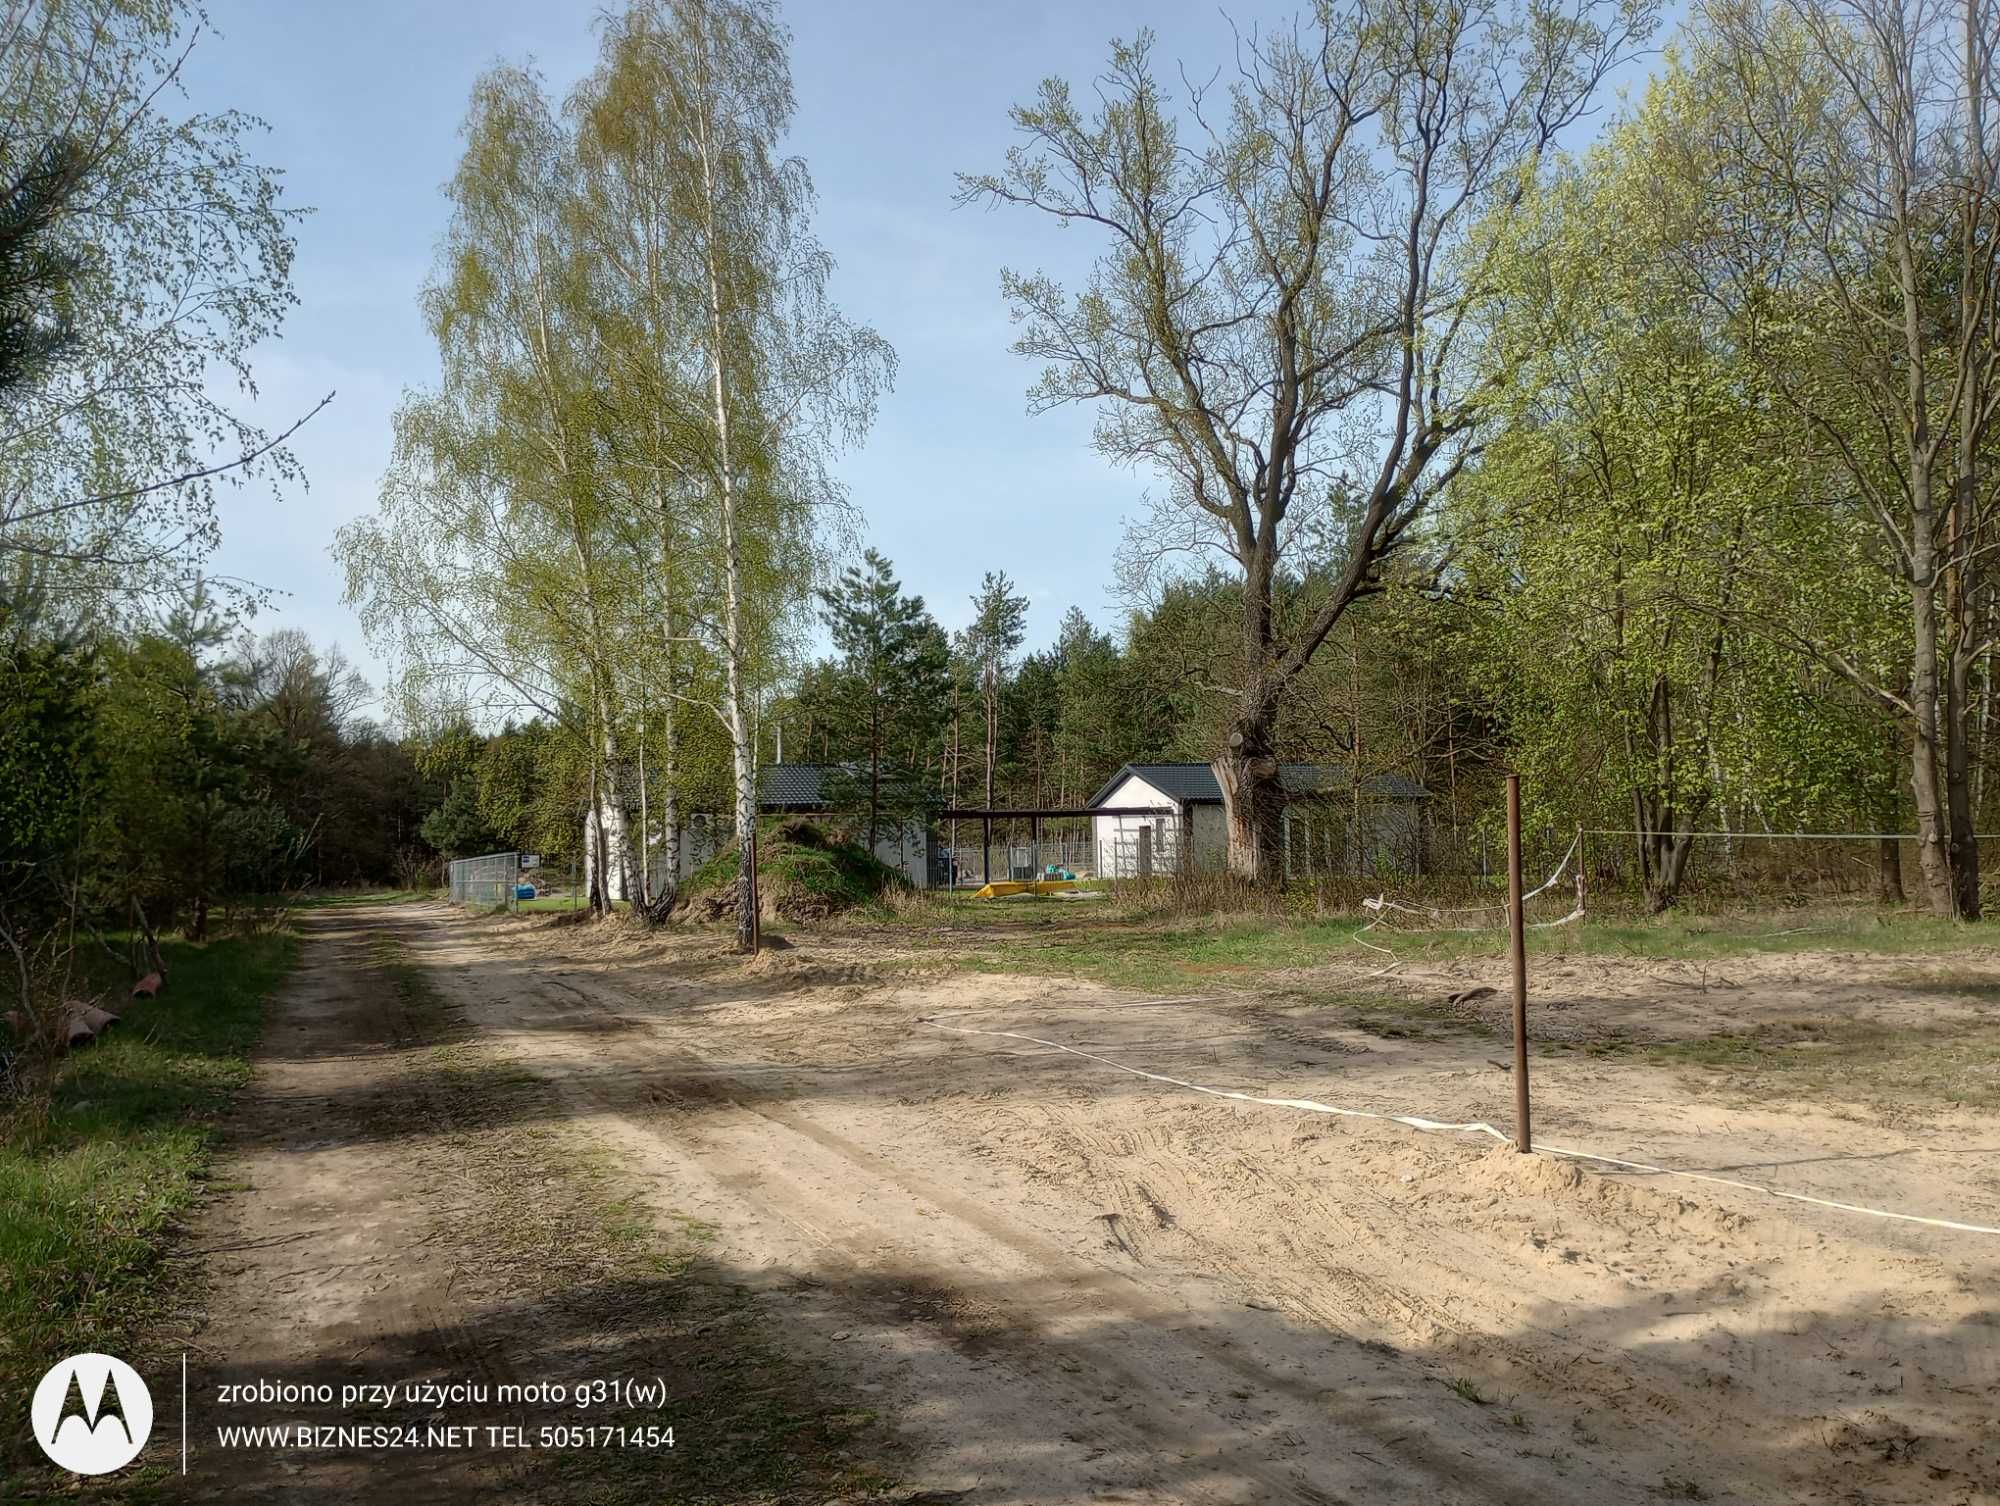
{"x":487,"y":882}
{"x":1018,"y":860}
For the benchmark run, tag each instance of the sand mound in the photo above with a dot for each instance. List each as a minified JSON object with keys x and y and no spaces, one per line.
{"x":1556,"y":1179}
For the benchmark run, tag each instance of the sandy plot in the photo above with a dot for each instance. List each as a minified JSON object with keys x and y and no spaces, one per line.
{"x":1072,"y":1283}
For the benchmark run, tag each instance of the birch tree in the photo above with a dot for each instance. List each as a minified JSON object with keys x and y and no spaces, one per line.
{"x":630,"y":149}
{"x":785,"y":380}
{"x":496,"y":564}
{"x":147,"y":253}
{"x":1279,"y":329}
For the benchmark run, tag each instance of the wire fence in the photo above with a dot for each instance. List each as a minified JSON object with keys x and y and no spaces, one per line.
{"x":1630,"y":873}
{"x":487,"y":882}
{"x":1724,"y":869}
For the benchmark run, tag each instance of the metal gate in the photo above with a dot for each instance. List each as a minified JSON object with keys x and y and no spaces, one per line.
{"x":486,"y":881}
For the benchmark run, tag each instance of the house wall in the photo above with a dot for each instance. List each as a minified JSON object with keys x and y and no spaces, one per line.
{"x":1211,"y":839}
{"x":1326,"y":838}
{"x":909,"y":851}
{"x":1115,"y":838}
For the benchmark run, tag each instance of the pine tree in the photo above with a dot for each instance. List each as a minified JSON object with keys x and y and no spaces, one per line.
{"x":36,"y":271}
{"x":894,"y":660}
{"x":999,"y":624}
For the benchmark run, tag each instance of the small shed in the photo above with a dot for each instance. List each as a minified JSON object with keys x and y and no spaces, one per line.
{"x":1333,"y":823}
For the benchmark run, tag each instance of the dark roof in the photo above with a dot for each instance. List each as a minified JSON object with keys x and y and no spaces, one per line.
{"x":793,"y":786}
{"x":1194,"y":783}
{"x":803,"y":786}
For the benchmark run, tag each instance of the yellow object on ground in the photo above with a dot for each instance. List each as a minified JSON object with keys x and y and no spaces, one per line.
{"x":1006,"y":887}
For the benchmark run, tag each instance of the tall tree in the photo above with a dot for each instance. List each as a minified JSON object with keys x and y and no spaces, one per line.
{"x":498,"y":563}
{"x":893,"y":663}
{"x":1864,"y":265}
{"x":787,"y":380}
{"x":999,"y":625}
{"x":144,"y":255}
{"x":1280,"y":327}
{"x":1612,"y":519}
{"x":1097,"y":727}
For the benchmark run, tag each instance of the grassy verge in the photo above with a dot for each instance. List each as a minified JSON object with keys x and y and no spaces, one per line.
{"x":1081,"y":939}
{"x":91,"y":1192}
{"x":338,"y":898}
{"x":325,"y":899}
{"x":588,"y":1264}
{"x":558,"y":902}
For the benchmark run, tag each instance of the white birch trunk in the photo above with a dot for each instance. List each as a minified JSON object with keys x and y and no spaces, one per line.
{"x":732,"y":570}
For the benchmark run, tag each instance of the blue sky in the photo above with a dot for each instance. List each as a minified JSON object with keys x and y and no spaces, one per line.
{"x":364,"y":100}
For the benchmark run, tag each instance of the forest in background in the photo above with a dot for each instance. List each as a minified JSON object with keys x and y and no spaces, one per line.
{"x":1489,"y":424}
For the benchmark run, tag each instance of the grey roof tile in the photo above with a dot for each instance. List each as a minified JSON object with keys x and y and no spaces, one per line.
{"x":1194,"y":783}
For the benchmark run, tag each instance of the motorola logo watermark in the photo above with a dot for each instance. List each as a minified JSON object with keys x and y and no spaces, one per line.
{"x":92,"y":1414}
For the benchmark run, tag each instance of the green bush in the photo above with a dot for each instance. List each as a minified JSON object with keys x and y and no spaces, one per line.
{"x":805,"y":871}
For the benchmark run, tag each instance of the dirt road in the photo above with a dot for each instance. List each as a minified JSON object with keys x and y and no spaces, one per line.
{"x":405,"y":1229}
{"x":1056,"y":1281}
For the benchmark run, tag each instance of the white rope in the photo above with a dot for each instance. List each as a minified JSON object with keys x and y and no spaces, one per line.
{"x":1778,"y":836}
{"x":1381,"y":904}
{"x":1543,"y":925}
{"x":1474,"y":1127}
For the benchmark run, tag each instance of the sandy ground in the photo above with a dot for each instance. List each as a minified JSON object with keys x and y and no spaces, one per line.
{"x":321,"y":1262}
{"x":1069,"y":1283}
{"x":1057,"y":1281}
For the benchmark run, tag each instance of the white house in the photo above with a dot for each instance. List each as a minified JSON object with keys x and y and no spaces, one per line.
{"x":1332,"y":824}
{"x":910,"y":847}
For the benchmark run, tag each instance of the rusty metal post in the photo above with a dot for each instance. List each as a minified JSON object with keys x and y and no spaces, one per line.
{"x":1518,"y":942}
{"x":754,"y":934}
{"x":1146,"y":852}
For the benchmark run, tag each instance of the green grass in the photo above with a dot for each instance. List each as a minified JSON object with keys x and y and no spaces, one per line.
{"x":327,"y":899}
{"x":1466,"y":1389}
{"x":362,"y":897}
{"x":1084,"y":939}
{"x":544,"y":903}
{"x":91,"y":1192}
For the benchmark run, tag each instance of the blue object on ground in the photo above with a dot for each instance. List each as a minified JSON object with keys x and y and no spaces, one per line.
{"x":524,"y":891}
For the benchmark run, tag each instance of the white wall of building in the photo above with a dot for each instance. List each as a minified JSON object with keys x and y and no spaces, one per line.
{"x":907,"y":850}
{"x":1116,"y":837}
